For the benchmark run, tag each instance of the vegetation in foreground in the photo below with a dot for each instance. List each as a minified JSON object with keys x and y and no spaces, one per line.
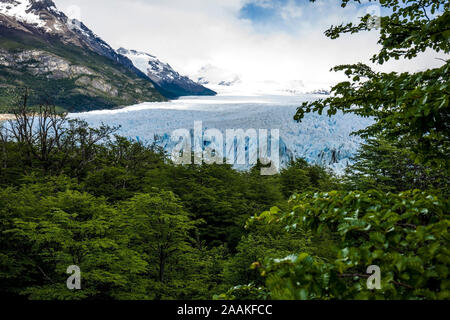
{"x":141,"y":228}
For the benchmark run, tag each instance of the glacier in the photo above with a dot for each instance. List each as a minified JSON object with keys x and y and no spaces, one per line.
{"x":318,"y":138}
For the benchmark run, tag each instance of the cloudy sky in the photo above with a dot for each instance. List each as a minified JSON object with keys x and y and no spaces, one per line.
{"x":260,"y":40}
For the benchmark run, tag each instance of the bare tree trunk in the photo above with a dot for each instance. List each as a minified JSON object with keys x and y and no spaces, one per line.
{"x":4,"y":141}
{"x":44,"y":133}
{"x":162,"y":264}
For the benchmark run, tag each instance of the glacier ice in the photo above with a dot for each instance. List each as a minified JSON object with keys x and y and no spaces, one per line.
{"x":319,"y":139}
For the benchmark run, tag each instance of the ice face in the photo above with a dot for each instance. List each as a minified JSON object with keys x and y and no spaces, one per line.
{"x":319,"y":139}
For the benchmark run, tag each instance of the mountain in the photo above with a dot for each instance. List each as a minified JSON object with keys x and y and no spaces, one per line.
{"x":164,"y":75}
{"x":63,"y":61}
{"x":215,"y":76}
{"x":323,"y":92}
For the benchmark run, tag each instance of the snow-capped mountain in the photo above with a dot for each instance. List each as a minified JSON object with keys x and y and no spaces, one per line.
{"x":323,"y":92}
{"x":164,"y":75}
{"x":39,"y":14}
{"x":42,"y":16}
{"x":66,"y":58}
{"x":215,"y":76}
{"x":231,"y":83}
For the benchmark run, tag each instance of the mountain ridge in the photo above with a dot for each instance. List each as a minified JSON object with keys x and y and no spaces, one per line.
{"x":74,"y":66}
{"x":164,"y":75}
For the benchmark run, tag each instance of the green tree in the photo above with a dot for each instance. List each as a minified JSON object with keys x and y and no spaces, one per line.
{"x":216,"y":194}
{"x":388,"y":166}
{"x":262,"y":241}
{"x":263,"y":191}
{"x":69,"y":228}
{"x":410,"y":106}
{"x":159,"y":229}
{"x":299,"y":176}
{"x":405,"y":234}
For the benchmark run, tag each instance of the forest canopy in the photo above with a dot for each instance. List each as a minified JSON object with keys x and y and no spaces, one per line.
{"x":140,"y":227}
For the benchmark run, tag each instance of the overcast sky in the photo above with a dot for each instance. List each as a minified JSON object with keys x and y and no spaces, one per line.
{"x":258,"y":39}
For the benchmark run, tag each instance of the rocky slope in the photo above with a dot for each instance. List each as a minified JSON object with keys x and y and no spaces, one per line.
{"x":164,"y":75}
{"x":62,"y":60}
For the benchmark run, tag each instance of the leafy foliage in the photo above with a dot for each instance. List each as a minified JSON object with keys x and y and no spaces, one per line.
{"x":405,"y":234}
{"x":410,"y":106}
{"x":140,"y":227}
{"x":299,"y":176}
{"x":387,"y":166}
{"x":412,"y":27}
{"x":70,"y":228}
{"x":244,"y":292}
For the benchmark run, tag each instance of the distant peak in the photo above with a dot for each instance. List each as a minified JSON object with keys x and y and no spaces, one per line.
{"x":28,"y":5}
{"x":122,"y":51}
{"x":32,"y":12}
{"x":41,"y":4}
{"x":125,"y":52}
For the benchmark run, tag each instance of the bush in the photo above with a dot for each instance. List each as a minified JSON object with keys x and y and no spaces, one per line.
{"x":405,"y":234}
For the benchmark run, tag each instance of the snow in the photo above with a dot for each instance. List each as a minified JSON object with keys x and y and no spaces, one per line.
{"x":216,"y":77}
{"x":318,"y":138}
{"x":75,"y":24}
{"x":140,"y":61}
{"x":227,"y":82}
{"x":156,"y":69}
{"x":23,"y":11}
{"x":57,"y":26}
{"x":17,"y":9}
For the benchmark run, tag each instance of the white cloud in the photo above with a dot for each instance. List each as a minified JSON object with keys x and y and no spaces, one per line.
{"x":291,"y":11}
{"x":190,"y":34}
